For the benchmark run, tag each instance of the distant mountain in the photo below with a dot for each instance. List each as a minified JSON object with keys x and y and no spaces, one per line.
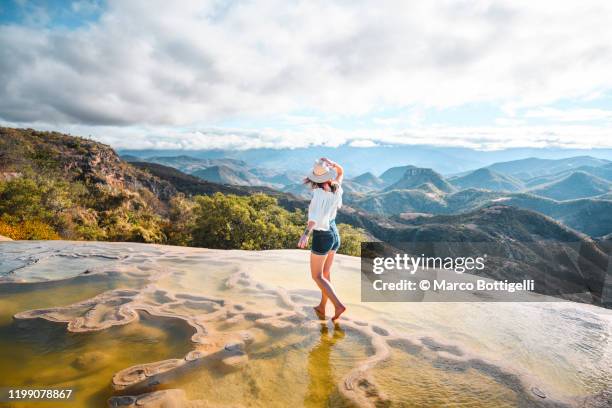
{"x":276,"y":178}
{"x":369,"y":180}
{"x":303,"y":190}
{"x":415,"y":177}
{"x":356,"y":160}
{"x":353,"y":187}
{"x":521,"y":244}
{"x":191,"y":185}
{"x":431,"y":190}
{"x":487,"y":179}
{"x":578,"y":184}
{"x":227,"y":175}
{"x":188,"y":164}
{"x":394,"y":174}
{"x":186,"y":183}
{"x":607,"y":196}
{"x":298,"y":190}
{"x":390,"y":202}
{"x":225,"y":170}
{"x":129,"y":158}
{"x":590,"y":216}
{"x":604,"y":172}
{"x":535,"y":167}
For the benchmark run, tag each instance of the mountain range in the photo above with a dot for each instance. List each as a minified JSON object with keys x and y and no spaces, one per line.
{"x":576,"y":191}
{"x":223,"y":170}
{"x":561,"y":179}
{"x":376,"y":159}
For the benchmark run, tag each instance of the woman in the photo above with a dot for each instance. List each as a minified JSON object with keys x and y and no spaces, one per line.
{"x":326,"y":199}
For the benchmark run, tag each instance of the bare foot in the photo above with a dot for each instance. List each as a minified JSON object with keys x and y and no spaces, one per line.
{"x":320,"y":312}
{"x":339,"y":311}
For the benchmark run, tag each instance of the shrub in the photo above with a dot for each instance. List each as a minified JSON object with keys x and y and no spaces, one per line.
{"x":351,"y":239}
{"x":123,"y":224}
{"x":21,"y":198}
{"x":181,"y":221}
{"x":29,"y":229}
{"x":251,"y":222}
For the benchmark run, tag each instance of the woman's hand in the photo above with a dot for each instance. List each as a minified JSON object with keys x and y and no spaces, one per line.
{"x":303,"y":242}
{"x":339,"y":169}
{"x":329,"y":162}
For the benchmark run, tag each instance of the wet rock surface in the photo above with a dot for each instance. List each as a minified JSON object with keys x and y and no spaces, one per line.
{"x":226,"y":331}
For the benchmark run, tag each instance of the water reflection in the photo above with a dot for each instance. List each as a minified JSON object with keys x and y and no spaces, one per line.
{"x":322,"y":384}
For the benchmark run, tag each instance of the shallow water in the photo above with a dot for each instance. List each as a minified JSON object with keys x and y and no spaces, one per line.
{"x":42,"y":354}
{"x":290,"y":371}
{"x":447,"y":354}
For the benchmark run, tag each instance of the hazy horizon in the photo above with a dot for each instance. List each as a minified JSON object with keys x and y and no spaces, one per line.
{"x":446,"y":160}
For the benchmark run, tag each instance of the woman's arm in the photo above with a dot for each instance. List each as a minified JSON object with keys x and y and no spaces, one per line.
{"x":304,"y":238}
{"x":339,"y":169}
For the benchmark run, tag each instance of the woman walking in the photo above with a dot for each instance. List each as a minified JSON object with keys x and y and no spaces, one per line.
{"x":325,"y":179}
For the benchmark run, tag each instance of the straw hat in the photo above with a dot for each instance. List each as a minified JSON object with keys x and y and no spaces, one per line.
{"x":321,"y":173}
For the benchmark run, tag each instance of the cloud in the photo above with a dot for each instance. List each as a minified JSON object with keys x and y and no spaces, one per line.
{"x":476,"y":137}
{"x":569,"y":115}
{"x":362,"y":143}
{"x":154,"y":67}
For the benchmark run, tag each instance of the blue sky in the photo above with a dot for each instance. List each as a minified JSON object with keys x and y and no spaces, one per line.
{"x":237,"y":74}
{"x":53,"y":14}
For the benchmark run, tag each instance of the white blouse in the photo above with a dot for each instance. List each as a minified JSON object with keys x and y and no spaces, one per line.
{"x":323,"y":207}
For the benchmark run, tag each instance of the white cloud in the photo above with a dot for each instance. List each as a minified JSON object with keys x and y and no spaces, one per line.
{"x":569,"y":115}
{"x":153,"y":67}
{"x":476,"y":137}
{"x":362,"y":143}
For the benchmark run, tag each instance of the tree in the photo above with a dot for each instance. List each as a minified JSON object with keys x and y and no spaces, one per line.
{"x":251,"y":222}
{"x":181,"y":221}
{"x":351,"y":239}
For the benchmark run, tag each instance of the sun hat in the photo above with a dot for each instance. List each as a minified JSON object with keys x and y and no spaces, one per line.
{"x":320,"y":173}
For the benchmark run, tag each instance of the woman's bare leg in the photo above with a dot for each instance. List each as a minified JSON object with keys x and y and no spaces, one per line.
{"x":316,"y":270}
{"x":327,"y":275}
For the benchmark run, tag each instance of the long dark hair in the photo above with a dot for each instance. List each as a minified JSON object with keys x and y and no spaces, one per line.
{"x":333,"y":184}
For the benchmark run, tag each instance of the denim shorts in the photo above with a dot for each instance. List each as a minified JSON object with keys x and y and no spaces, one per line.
{"x":325,"y":241}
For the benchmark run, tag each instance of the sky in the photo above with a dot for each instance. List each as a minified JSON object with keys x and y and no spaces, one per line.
{"x":280,"y":74}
